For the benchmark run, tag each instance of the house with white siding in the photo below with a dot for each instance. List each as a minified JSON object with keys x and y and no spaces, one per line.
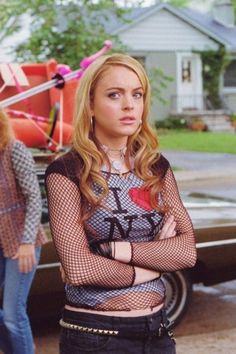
{"x":171,"y":39}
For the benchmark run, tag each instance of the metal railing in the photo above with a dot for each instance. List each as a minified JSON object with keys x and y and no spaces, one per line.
{"x":181,"y":103}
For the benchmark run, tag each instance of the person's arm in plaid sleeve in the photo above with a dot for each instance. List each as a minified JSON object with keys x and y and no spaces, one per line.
{"x":23,"y":165}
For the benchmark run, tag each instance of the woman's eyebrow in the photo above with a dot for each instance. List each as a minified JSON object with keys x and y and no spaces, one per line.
{"x":122,"y":88}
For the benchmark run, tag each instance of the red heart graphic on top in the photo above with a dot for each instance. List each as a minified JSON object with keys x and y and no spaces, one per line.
{"x":141,"y":197}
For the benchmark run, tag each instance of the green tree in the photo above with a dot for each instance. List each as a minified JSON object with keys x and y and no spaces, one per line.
{"x":179,"y":3}
{"x":214,"y":63}
{"x":159,"y":82}
{"x":65,"y":30}
{"x":9,"y":18}
{"x":234,"y":5}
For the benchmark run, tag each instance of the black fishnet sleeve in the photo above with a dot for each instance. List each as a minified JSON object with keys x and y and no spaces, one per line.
{"x":81,"y":266}
{"x":172,"y":253}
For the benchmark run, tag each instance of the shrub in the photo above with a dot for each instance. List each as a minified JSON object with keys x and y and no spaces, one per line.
{"x":233,"y":117}
{"x":171,"y":123}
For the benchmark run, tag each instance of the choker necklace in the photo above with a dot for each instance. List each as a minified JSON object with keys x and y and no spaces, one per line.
{"x":116,"y":163}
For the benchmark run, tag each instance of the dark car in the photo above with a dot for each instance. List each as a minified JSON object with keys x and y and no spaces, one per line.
{"x":216,"y":262}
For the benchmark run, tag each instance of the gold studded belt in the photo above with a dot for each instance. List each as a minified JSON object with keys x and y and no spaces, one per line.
{"x":162,"y":330}
{"x":106,"y":332}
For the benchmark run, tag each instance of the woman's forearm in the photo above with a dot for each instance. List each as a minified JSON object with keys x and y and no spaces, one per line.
{"x":144,"y":275}
{"x":165,"y":255}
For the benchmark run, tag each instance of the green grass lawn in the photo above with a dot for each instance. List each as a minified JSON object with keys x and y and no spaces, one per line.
{"x":182,"y":140}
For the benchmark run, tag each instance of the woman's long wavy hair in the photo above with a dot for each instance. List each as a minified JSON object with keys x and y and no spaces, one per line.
{"x":142,"y":145}
{"x":6,"y":131}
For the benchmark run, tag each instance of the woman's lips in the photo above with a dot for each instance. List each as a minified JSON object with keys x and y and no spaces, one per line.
{"x":127,"y":120}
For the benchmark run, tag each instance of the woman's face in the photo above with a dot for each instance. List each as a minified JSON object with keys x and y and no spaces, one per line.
{"x":117,"y":106}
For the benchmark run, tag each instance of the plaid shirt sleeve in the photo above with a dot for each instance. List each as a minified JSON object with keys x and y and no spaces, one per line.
{"x":24,"y":168}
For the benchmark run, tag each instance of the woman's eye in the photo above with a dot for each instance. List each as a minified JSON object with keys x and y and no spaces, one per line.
{"x":114,"y":95}
{"x":138,"y":94}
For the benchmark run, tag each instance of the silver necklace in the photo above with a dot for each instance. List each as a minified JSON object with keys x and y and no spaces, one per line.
{"x":116,"y":164}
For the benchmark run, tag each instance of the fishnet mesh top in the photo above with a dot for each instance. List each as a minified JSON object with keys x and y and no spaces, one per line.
{"x":104,"y":284}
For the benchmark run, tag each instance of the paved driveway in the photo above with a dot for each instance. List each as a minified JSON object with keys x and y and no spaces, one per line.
{"x":202,"y":161}
{"x":213,"y":174}
{"x":208,"y":179}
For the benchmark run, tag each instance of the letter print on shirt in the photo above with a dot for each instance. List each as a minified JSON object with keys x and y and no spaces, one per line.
{"x":124,"y":217}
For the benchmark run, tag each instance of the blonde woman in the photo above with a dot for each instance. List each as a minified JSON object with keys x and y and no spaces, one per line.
{"x":116,"y":218}
{"x":21,"y":237}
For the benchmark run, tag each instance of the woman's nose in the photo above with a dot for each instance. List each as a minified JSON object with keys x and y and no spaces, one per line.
{"x":128,"y":102}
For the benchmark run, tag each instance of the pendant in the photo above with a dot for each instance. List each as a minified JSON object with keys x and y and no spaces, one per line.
{"x":116,"y":165}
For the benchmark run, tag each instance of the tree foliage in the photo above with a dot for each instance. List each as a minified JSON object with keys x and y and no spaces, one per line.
{"x":234,"y":6}
{"x":178,"y":3}
{"x":9,"y":18}
{"x":214,"y":63}
{"x":159,"y":82}
{"x":67,"y":30}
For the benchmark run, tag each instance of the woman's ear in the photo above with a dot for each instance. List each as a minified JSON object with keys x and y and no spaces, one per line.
{"x":91,"y":112}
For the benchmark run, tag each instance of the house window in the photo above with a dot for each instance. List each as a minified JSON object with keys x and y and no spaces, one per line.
{"x":141,"y":59}
{"x":230,"y":75}
{"x":186,"y":70}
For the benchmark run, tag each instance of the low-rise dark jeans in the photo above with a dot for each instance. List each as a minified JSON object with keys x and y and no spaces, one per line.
{"x":76,"y":342}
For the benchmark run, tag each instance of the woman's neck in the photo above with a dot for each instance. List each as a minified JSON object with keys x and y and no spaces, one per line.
{"x":114,"y":144}
{"x":116,"y":157}
{"x":117,"y":153}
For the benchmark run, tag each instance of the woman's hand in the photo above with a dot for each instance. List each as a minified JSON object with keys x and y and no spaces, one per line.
{"x":168,"y":229}
{"x":26,"y":257}
{"x":143,"y":275}
{"x":118,"y":250}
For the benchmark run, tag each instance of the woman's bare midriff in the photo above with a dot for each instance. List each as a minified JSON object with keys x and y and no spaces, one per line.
{"x":131,"y":313}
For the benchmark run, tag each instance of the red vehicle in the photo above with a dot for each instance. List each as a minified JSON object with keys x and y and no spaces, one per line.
{"x":39,"y":99}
